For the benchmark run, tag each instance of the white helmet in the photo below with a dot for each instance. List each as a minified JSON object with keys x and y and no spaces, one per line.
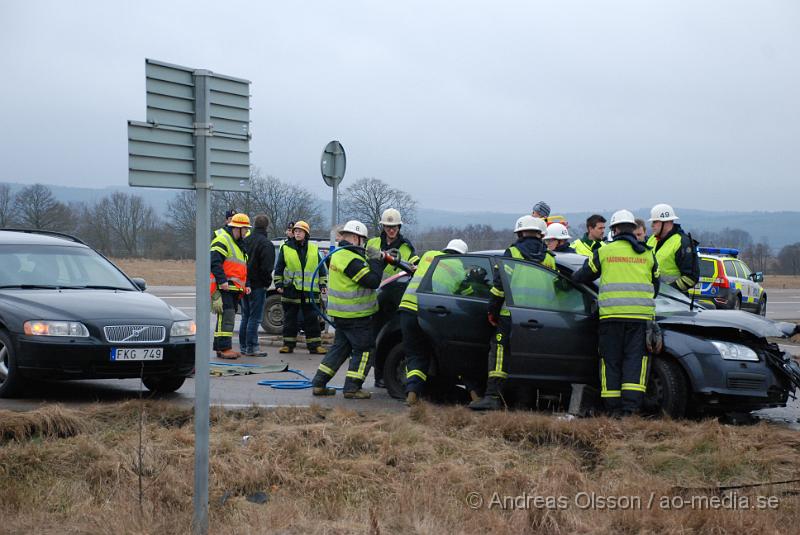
{"x":460,"y":246}
{"x":663,"y":212}
{"x":528,"y":222}
{"x":391,"y":217}
{"x":356,"y":227}
{"x":556,"y":231}
{"x":622,"y":216}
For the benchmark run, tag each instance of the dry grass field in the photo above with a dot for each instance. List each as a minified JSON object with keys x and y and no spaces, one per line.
{"x":781,"y":282}
{"x":431,"y":470}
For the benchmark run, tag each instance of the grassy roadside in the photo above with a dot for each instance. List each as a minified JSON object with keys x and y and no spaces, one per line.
{"x":337,"y":471}
{"x":181,"y":273}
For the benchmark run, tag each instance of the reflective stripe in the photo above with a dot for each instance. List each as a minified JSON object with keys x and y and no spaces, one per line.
{"x":416,"y":373}
{"x":604,"y":391}
{"x":643,"y":375}
{"x":610,"y":394}
{"x":634,"y":387}
{"x":626,"y":287}
{"x":298,"y":275}
{"x":344,"y":307}
{"x":350,"y":294}
{"x":498,"y":360}
{"x":327,"y":371}
{"x":222,"y":334}
{"x":358,"y":276}
{"x":626,"y":301}
{"x":668,"y":279}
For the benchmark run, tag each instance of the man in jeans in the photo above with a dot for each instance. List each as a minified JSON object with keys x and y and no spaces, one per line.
{"x":260,"y":263}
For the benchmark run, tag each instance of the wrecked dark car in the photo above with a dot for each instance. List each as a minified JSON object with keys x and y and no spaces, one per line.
{"x":713,"y":361}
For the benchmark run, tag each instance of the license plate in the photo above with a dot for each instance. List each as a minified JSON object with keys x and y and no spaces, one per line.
{"x":137,"y":353}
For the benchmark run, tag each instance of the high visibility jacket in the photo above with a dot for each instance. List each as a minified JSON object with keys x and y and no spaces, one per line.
{"x":406,"y":250}
{"x":235,"y":263}
{"x":677,"y":260}
{"x":626,"y":281}
{"x":409,"y":300}
{"x":585,"y":246}
{"x":298,"y":275}
{"x":346,"y":298}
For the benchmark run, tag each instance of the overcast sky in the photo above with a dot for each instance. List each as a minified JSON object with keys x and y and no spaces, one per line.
{"x":467,"y":105}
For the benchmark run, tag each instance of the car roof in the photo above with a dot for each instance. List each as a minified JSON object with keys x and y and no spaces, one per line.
{"x":572,"y":261}
{"x":34,"y":237}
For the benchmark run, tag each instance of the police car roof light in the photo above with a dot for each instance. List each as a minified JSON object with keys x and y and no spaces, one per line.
{"x":726,"y":251}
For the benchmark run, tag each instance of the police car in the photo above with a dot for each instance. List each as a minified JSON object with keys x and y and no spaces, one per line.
{"x":728,"y":283}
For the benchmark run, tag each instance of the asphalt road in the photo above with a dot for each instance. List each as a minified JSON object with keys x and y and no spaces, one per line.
{"x":235,"y":391}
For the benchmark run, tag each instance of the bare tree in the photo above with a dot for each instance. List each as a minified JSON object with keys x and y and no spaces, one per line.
{"x":129,"y":219}
{"x":367,"y":198}
{"x":35,"y":207}
{"x":6,"y":206}
{"x":789,"y":259}
{"x":284,"y":202}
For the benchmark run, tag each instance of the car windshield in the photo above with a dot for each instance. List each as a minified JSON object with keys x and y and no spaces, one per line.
{"x":53,"y":266}
{"x":671,"y":300}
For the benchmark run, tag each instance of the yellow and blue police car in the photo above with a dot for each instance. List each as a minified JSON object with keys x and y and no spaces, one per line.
{"x":726,"y":282}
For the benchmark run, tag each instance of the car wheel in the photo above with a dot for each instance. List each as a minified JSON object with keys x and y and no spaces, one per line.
{"x":10,"y":380}
{"x":667,"y":389}
{"x":762,"y":305}
{"x":163,"y":385}
{"x":272,"y":323}
{"x":737,"y":303}
{"x":394,"y":372}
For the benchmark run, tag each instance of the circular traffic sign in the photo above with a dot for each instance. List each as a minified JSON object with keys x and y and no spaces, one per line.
{"x":333,"y":163}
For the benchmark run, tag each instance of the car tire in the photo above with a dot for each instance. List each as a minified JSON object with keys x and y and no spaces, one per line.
{"x":10,"y":379}
{"x":762,"y":305}
{"x":667,"y":388}
{"x":163,"y":385}
{"x":272,"y":322}
{"x":394,"y":372}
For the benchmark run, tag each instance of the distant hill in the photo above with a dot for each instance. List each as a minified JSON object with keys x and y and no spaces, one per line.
{"x":779,"y":228}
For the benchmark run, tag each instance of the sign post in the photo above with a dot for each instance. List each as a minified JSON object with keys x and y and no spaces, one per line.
{"x":197,"y":136}
{"x":332,"y":166}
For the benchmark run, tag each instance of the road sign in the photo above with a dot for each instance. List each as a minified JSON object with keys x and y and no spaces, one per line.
{"x":197,"y":136}
{"x":333,"y":163}
{"x":162,"y":152}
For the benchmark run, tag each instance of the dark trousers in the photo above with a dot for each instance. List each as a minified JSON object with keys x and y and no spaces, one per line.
{"x":223,"y":333}
{"x":291,"y":324}
{"x":417,"y":359}
{"x":498,"y":356}
{"x":623,"y":364}
{"x":252,"y":313}
{"x":353,"y":340}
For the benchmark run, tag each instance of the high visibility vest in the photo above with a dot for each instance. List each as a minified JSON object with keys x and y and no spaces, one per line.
{"x":406,"y":254}
{"x":409,"y":299}
{"x":346,"y":298}
{"x":298,"y":275}
{"x":665,"y":254}
{"x":626,"y":282}
{"x":581,"y":247}
{"x":235,"y":263}
{"x":652,"y":241}
{"x":527,"y":284}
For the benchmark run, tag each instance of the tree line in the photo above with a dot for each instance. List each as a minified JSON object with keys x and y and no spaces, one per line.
{"x":124,"y":225}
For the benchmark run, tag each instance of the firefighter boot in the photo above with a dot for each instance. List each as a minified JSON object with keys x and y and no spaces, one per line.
{"x":358,"y":394}
{"x":323,"y":391}
{"x":286,"y":349}
{"x":318,"y":350}
{"x":228,"y":354}
{"x":412,"y":399}
{"x":491,"y":400}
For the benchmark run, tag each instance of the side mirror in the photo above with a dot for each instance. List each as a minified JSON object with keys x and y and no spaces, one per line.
{"x":140,"y":283}
{"x":758,"y":276}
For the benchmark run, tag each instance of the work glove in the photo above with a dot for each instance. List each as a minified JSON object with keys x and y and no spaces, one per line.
{"x":492,"y":319}
{"x":216,"y":302}
{"x":654,"y":340}
{"x":374,"y":254}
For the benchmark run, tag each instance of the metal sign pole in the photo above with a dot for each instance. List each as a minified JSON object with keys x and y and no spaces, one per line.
{"x":203,"y":304}
{"x":334,"y":214}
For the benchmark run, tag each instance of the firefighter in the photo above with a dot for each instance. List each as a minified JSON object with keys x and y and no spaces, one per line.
{"x":228,"y":281}
{"x":628,"y":272}
{"x":393,"y":242}
{"x":355,"y":274}
{"x":297,"y":260}
{"x":529,"y":246}
{"x":417,"y":358}
{"x":675,"y":251}
{"x":541,"y":210}
{"x":641,"y":230}
{"x":557,"y":238}
{"x":593,"y":238}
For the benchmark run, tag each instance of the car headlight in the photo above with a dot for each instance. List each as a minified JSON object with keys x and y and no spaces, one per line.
{"x":183,"y":328}
{"x":55,"y":328}
{"x":730,"y":351}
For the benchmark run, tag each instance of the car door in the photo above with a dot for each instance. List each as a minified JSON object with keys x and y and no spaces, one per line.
{"x":553,"y":325}
{"x":750,"y":288}
{"x":452,"y":300}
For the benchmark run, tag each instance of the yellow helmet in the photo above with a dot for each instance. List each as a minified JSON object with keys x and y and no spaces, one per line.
{"x":240,"y":221}
{"x":302,"y":225}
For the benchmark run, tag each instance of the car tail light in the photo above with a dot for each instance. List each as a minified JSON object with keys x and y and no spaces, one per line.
{"x":721,"y":280}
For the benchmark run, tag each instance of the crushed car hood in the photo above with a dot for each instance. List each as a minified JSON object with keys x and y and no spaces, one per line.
{"x":87,"y":304}
{"x":732,"y":319}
